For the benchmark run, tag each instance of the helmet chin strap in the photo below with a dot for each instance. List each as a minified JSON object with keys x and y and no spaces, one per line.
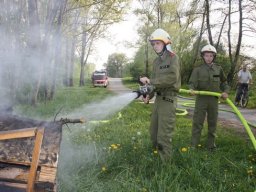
{"x":162,"y":52}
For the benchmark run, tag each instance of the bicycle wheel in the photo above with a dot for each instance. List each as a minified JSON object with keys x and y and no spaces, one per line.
{"x":244,"y":100}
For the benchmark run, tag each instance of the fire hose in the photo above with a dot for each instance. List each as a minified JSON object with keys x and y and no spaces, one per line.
{"x":148,"y":89}
{"x":234,"y":108}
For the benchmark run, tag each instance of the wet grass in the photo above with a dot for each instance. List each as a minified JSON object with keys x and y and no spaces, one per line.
{"x":130,"y":83}
{"x":123,"y":159}
{"x":116,"y":155}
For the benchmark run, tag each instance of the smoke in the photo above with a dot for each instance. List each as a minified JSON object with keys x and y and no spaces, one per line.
{"x":27,"y":51}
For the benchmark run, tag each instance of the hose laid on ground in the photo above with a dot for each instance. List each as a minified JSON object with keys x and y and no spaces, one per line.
{"x":236,"y":111}
{"x":105,"y":121}
{"x":191,"y":104}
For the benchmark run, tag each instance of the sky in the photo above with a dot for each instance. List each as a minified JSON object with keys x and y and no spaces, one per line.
{"x":121,"y":34}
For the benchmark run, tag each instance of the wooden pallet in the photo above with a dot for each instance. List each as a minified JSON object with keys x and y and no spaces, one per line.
{"x":28,"y":156}
{"x":15,"y":174}
{"x":29,"y":151}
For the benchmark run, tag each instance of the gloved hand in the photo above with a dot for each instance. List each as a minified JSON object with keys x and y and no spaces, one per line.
{"x":144,"y":80}
{"x":224,"y":95}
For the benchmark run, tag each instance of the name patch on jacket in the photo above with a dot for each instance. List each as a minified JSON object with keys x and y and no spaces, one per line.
{"x":164,"y":66}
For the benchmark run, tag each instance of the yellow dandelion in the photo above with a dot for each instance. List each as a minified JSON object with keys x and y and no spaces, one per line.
{"x":184,"y":149}
{"x":199,"y":145}
{"x":103,"y":169}
{"x":114,"y":146}
{"x":250,"y":172}
{"x":155,"y":151}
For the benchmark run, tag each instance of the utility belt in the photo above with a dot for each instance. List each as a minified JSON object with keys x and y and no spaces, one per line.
{"x":166,"y":95}
{"x":169,"y":93}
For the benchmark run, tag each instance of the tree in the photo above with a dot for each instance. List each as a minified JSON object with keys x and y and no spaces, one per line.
{"x":172,"y":17}
{"x":207,"y":11}
{"x":115,"y":64}
{"x":95,"y":17}
{"x":146,"y":14}
{"x":137,"y":68}
{"x":62,"y":6}
{"x":234,"y":62}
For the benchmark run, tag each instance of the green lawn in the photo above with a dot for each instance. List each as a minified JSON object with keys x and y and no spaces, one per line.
{"x":115,"y":155}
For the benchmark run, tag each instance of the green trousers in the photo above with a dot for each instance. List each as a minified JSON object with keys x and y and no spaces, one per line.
{"x":205,"y":105}
{"x":163,"y":124}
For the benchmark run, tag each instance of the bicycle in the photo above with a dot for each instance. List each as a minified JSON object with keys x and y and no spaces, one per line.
{"x":244,"y":98}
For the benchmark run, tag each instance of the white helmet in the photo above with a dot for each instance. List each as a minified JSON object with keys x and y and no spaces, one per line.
{"x":162,"y":35}
{"x":209,"y":48}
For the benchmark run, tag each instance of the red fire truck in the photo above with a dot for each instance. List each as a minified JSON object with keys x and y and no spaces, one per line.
{"x":100,"y":79}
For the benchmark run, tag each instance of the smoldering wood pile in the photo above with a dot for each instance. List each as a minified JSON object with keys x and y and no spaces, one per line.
{"x":20,"y":150}
{"x":16,"y":154}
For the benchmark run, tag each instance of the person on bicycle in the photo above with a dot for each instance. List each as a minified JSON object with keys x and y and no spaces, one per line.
{"x":244,"y":79}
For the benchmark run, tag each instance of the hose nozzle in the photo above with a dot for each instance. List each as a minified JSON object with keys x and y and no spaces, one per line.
{"x":144,"y":90}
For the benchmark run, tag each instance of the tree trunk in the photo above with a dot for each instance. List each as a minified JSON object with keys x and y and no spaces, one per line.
{"x":146,"y":47}
{"x":222,"y":26}
{"x":66,"y":63}
{"x":199,"y":40}
{"x":159,"y":14}
{"x":146,"y":56}
{"x":229,"y":38}
{"x":238,"y":47}
{"x":81,"y":82}
{"x":57,"y":59}
{"x":207,"y":8}
{"x":72,"y":62}
{"x":47,"y":51}
{"x":33,"y":43}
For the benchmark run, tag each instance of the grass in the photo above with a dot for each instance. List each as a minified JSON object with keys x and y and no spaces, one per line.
{"x":123,"y":159}
{"x":116,"y":155}
{"x":65,"y":100}
{"x":130,"y":83}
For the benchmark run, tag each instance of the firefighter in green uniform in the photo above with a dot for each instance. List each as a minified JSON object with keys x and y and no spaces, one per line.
{"x":166,"y":82}
{"x":207,"y":77}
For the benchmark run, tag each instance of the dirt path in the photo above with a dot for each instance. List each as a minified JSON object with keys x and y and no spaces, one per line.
{"x":116,"y":85}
